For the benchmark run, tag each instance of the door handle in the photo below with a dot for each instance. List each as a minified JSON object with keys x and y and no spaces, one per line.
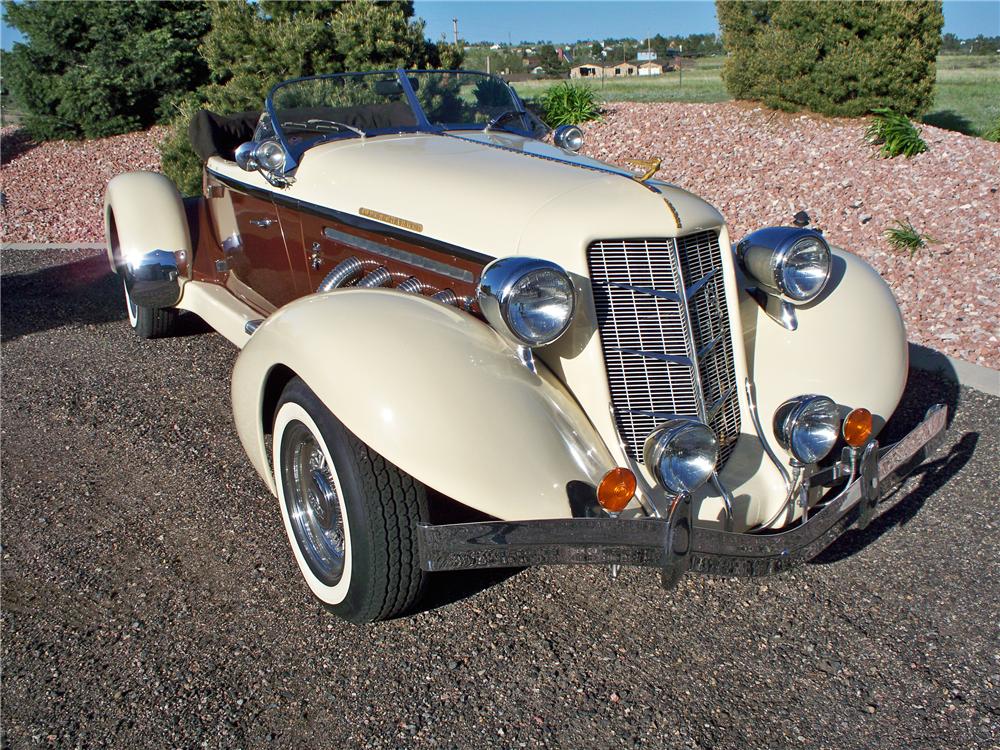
{"x":262,"y":222}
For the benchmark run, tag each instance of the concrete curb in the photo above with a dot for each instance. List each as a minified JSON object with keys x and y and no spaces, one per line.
{"x":53,"y":246}
{"x":981,"y":378}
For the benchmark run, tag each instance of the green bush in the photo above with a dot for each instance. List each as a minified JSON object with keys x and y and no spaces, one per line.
{"x":252,"y":46}
{"x":836,"y":58}
{"x":92,"y":69}
{"x":569,"y":104}
{"x":993,"y":134}
{"x":894,"y":134}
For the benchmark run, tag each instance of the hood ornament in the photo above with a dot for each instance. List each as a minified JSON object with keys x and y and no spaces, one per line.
{"x":651,"y":167}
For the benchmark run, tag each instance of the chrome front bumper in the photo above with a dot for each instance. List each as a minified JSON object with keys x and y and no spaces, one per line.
{"x":674,"y":545}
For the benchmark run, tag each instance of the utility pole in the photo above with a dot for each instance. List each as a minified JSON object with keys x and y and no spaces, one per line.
{"x":680,"y":67}
{"x":455,"y":23}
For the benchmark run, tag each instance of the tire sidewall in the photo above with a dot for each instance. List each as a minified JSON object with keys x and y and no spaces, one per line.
{"x":350,"y":596}
{"x":131,"y":309}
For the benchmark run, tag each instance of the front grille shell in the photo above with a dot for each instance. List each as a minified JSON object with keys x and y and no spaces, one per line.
{"x":660,"y":361}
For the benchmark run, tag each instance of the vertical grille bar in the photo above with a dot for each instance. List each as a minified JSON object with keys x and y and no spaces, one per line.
{"x":646,"y":340}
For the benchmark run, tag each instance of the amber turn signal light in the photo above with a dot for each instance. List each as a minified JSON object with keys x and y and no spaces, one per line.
{"x":858,"y":427}
{"x":616,"y":489}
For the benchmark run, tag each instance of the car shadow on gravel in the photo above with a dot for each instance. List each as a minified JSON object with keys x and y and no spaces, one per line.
{"x":923,"y":391}
{"x":446,"y":588}
{"x":83,"y":292}
{"x":933,"y":476}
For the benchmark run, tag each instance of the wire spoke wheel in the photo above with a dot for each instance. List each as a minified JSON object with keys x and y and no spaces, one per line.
{"x":350,"y":515}
{"x":313,"y":503}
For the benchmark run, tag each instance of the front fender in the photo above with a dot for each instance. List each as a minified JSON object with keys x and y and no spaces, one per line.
{"x":850,"y":345}
{"x":432,"y":389}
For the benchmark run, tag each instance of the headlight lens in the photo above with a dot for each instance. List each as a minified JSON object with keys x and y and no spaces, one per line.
{"x":803,"y":271}
{"x":529,"y":300}
{"x":569,"y":137}
{"x":788,"y":261}
{"x":808,"y":427}
{"x":270,"y":156}
{"x":682,"y":454}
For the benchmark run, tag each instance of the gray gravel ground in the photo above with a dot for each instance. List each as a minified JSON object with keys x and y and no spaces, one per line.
{"x":149,"y":598}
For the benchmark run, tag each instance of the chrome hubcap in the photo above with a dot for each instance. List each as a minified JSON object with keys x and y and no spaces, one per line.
{"x":312,"y":503}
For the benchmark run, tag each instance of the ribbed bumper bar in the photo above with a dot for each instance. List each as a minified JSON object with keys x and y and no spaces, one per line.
{"x":671,"y":544}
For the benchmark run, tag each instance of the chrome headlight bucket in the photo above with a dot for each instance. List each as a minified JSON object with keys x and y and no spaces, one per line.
{"x":807,"y":427}
{"x":790,"y":262}
{"x":528,"y":300}
{"x":681,"y":454}
{"x":569,"y":137}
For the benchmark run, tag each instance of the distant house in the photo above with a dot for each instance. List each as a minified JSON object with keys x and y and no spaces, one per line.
{"x":587,"y":70}
{"x":650,"y":68}
{"x":622,"y":69}
{"x":538,"y":70}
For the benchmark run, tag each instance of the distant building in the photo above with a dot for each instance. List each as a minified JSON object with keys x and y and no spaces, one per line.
{"x":647,"y":55}
{"x":622,"y":69}
{"x":649,"y":68}
{"x":587,"y":70}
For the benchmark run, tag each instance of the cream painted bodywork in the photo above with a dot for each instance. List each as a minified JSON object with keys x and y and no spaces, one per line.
{"x":435,"y":391}
{"x":501,"y":195}
{"x":219,"y":308}
{"x":148,"y":213}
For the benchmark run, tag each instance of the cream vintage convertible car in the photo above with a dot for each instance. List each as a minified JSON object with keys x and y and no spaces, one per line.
{"x":464,"y":345}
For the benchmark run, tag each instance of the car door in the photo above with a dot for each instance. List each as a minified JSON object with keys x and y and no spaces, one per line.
{"x":260,"y":269}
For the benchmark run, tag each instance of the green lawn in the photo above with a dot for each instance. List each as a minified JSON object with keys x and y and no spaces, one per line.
{"x":967,"y":98}
{"x":702,"y":83}
{"x":968,"y":94}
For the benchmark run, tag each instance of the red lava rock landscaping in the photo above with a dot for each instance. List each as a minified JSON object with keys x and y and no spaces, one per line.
{"x":55,"y":190}
{"x":757,"y":166}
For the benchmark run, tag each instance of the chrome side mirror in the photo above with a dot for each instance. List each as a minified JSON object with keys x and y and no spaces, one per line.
{"x":245,"y":156}
{"x":569,"y":137}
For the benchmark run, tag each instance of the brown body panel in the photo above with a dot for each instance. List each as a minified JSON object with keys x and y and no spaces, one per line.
{"x":269,"y":254}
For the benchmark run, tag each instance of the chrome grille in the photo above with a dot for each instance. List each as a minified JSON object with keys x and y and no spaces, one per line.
{"x":639,"y":287}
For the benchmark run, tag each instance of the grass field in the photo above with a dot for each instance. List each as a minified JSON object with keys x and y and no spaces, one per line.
{"x":701,"y":83}
{"x":967,"y":97}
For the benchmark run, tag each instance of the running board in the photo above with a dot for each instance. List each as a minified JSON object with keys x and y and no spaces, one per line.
{"x":220,"y":309}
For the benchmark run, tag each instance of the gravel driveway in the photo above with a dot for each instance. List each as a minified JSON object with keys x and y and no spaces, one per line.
{"x":149,"y":597}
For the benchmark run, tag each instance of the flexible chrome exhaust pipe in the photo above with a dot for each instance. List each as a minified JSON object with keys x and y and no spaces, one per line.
{"x":412,"y":285}
{"x":446,"y":296}
{"x":343,"y":273}
{"x":378,"y":277}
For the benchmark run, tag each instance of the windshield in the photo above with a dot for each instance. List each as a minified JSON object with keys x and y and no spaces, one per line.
{"x":307,"y":111}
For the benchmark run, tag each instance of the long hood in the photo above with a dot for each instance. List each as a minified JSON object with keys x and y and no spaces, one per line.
{"x":485,"y":191}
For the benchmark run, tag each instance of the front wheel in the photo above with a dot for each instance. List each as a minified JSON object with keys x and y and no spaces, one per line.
{"x":350,"y":515}
{"x":149,"y":322}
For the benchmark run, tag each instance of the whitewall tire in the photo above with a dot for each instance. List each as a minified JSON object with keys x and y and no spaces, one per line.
{"x":149,"y":322}
{"x":350,"y":516}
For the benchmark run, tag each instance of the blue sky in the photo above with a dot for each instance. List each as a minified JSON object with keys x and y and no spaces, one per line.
{"x":569,"y":20}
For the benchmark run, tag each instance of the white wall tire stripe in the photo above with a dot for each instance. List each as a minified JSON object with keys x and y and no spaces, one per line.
{"x":288,"y":413}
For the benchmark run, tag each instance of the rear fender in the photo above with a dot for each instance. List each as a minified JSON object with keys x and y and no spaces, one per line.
{"x":432,"y":389}
{"x":144,"y":213}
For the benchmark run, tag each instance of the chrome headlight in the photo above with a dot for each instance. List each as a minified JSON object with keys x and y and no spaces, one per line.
{"x":526,"y":299}
{"x":788,"y":261}
{"x":807,"y":427}
{"x":569,"y":137}
{"x":270,"y":155}
{"x":681,"y":454}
